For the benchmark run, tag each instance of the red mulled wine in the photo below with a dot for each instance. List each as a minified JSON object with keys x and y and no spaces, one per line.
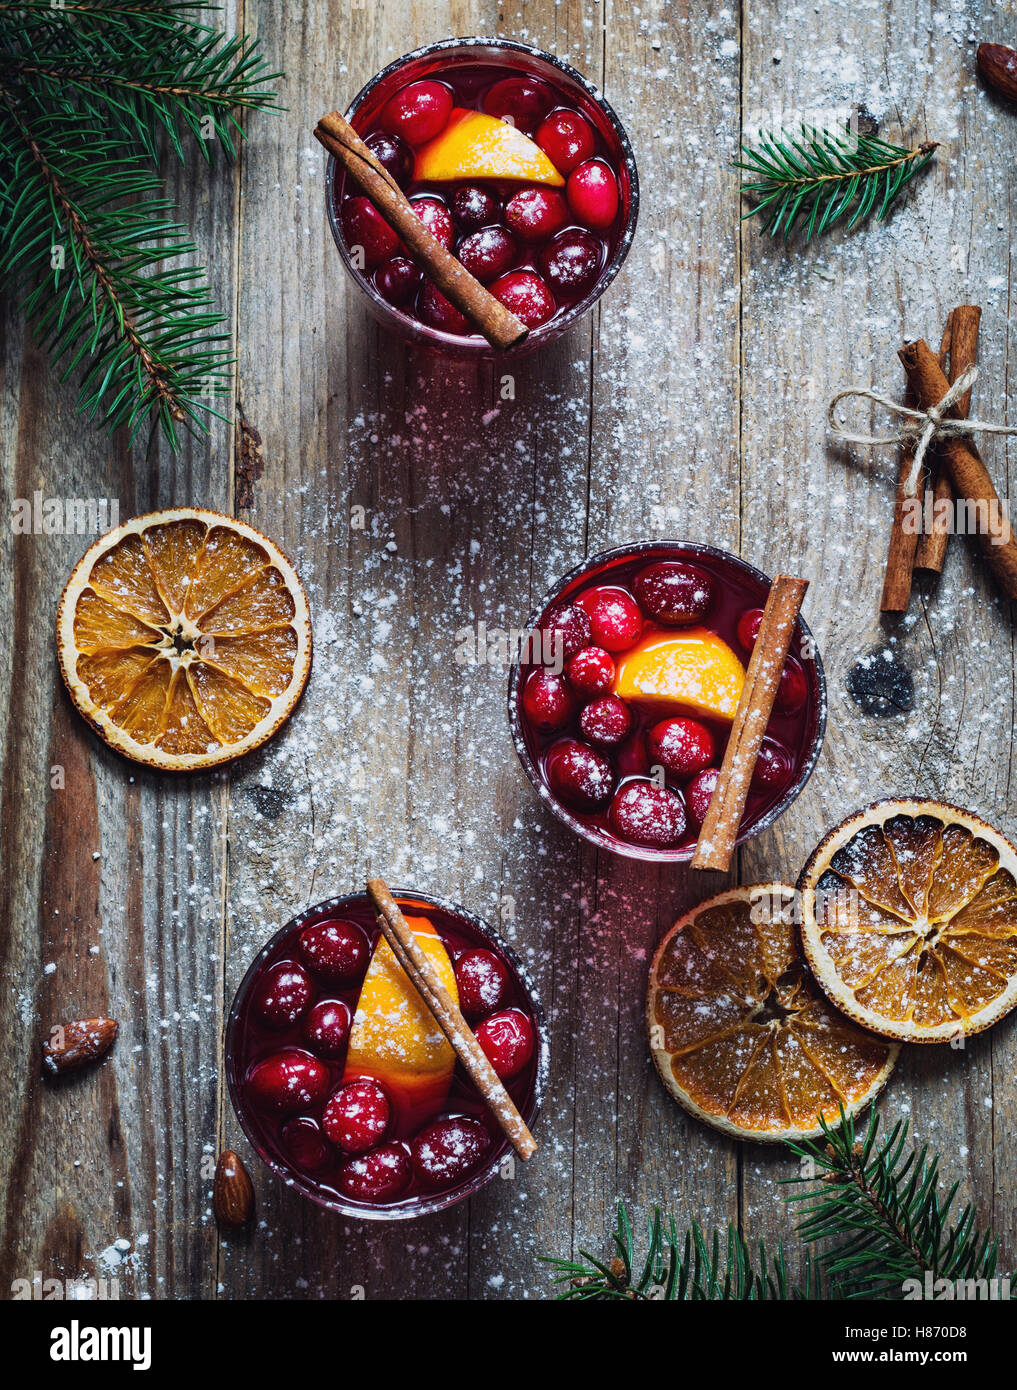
{"x":340,"y":1077}
{"x":622,"y":716}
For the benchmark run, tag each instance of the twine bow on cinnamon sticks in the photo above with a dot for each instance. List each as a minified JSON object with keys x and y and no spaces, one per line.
{"x":935,"y":420}
{"x":920,"y":426}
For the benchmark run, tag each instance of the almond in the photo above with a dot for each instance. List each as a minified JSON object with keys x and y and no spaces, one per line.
{"x":232,"y":1191}
{"x":73,"y":1045}
{"x":998,"y":65}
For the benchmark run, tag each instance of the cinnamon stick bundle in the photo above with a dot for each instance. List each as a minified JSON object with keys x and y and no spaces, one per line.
{"x":499,"y":325}
{"x":962,"y":346}
{"x":968,"y":474}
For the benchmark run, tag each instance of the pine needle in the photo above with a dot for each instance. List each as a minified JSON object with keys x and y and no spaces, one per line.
{"x":813,"y":178}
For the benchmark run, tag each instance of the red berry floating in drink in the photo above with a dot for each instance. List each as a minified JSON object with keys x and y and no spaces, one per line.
{"x":656,"y":665}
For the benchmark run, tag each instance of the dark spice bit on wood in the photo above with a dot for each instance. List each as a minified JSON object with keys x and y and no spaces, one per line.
{"x":72,"y":1045}
{"x":250,"y":462}
{"x":880,"y":684}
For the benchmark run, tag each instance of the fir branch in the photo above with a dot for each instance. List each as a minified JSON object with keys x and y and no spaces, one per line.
{"x":88,"y":243}
{"x":815,"y":177}
{"x":696,"y":1268}
{"x":142,"y":328}
{"x":885,"y":1210}
{"x":880,"y":1207}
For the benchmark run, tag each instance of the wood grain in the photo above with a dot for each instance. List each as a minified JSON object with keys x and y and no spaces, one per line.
{"x":419,"y":498}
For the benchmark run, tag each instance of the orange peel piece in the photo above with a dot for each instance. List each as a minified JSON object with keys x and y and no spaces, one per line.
{"x":693,"y":671}
{"x":477,"y":146}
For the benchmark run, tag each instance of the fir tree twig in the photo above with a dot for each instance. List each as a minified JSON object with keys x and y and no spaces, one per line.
{"x":814,"y":177}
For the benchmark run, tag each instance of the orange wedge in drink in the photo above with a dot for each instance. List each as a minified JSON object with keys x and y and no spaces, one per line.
{"x":740,"y":1033}
{"x":909,"y":920}
{"x":476,"y":146}
{"x":694,"y":671}
{"x":184,"y":638}
{"x":395,"y":1038}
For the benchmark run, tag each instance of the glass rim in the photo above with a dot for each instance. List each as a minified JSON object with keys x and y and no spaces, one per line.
{"x":288,"y":1175}
{"x":646,"y":853}
{"x":422,"y":334}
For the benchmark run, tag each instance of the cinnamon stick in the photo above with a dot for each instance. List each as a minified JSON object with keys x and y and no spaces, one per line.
{"x":723,"y":817}
{"x":427,"y":982}
{"x":499,"y":325}
{"x":968,"y":474}
{"x":963,"y":351}
{"x":902,"y":552}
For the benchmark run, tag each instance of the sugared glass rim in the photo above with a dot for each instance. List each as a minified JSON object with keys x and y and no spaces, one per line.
{"x":335,"y":907}
{"x":453,"y":343}
{"x":690,"y":550}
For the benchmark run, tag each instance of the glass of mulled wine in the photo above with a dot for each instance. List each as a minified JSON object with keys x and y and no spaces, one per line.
{"x":622,"y":703}
{"x":515,"y":163}
{"x":342,"y":1080}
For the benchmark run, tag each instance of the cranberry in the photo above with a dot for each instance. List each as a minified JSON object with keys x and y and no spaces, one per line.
{"x":357,"y":1116}
{"x":748,"y":627}
{"x":592,"y":191}
{"x":607,"y":720}
{"x":591,"y":672}
{"x":773,"y":767}
{"x":536,"y":213}
{"x":488,"y":253}
{"x":483,"y":983}
{"x":699,"y":793}
{"x":436,"y":311}
{"x":631,"y":758}
{"x":646,"y":814}
{"x":445,"y":1151}
{"x":547,"y":701}
{"x":615,"y":620}
{"x":282,"y":994}
{"x":337,"y":951}
{"x":474,"y":207}
{"x":571,"y":261}
{"x":518,"y":100}
{"x":287,"y":1081}
{"x":435,"y":217}
{"x":383,"y":1175}
{"x":397,"y":280}
{"x":674,"y":593}
{"x":507,"y":1040}
{"x":793,"y":689}
{"x":327,"y":1027}
{"x":392,"y":154}
{"x":419,"y":112}
{"x":682,"y":746}
{"x":366,"y":229}
{"x":524,"y":293}
{"x":578,"y":775}
{"x":565,"y":630}
{"x":566,"y":138}
{"x":305,"y":1144}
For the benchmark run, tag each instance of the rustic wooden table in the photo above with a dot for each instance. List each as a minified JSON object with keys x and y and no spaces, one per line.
{"x":690,"y":404}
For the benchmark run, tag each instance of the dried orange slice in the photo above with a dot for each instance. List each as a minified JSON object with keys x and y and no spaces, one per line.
{"x":739,"y":1031}
{"x":909,"y":920}
{"x":184,"y":638}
